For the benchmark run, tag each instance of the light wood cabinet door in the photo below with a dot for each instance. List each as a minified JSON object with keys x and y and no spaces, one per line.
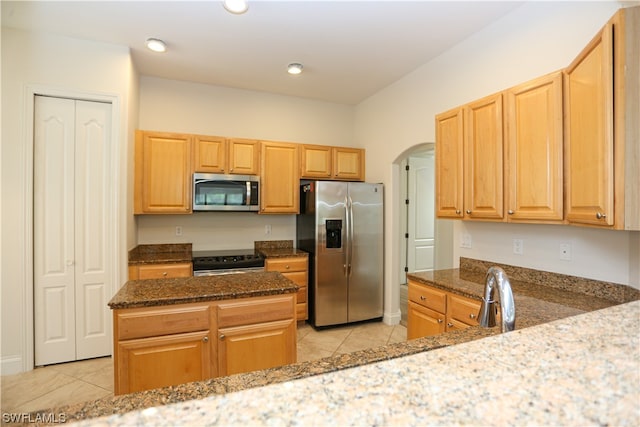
{"x":160,"y":271}
{"x":162,"y":173}
{"x":316,"y":161}
{"x":280,"y":192}
{"x":209,"y":154}
{"x":463,"y":310}
{"x":244,"y":156}
{"x":348,"y":164}
{"x":449,"y":164}
{"x":296,"y":270}
{"x":149,"y":363}
{"x":534,"y":150}
{"x":484,"y":164}
{"x":423,"y":322}
{"x":257,"y":346}
{"x":589,"y":144}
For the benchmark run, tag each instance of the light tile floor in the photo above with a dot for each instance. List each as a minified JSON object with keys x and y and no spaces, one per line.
{"x":75,"y":382}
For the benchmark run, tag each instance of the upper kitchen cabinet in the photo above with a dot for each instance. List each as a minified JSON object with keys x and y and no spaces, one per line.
{"x":213,"y":154}
{"x":449,"y":164}
{"x":602,"y":136}
{"x":162,"y":173}
{"x":469,"y":161}
{"x":534,"y":150}
{"x":279,"y":178}
{"x":326,"y":162}
{"x":483,"y":159}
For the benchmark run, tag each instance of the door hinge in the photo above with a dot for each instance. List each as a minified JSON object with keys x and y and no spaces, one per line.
{"x":406,"y":201}
{"x":406,"y":269}
{"x":406,"y":235}
{"x":406,"y":167}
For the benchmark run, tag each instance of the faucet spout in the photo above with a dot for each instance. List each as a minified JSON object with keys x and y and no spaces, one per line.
{"x":496,"y":277}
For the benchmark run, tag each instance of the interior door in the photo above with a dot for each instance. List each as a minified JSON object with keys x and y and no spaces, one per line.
{"x":421,"y":184}
{"x":71,"y":205}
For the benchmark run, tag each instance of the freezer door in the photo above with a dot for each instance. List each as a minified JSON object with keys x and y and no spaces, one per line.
{"x":365,"y":236}
{"x":330,"y":285}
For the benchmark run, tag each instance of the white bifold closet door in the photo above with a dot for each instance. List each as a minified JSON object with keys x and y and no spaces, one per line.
{"x":421,"y":218}
{"x":72,"y":245}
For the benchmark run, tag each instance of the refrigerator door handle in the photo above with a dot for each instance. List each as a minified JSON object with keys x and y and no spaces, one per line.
{"x":346,"y":240}
{"x":350,"y":235}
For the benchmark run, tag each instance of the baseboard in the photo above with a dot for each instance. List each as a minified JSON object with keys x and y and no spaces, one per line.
{"x":392,"y":318}
{"x":11,"y":365}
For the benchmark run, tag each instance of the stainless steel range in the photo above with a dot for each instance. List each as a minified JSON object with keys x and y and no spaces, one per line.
{"x":211,"y":263}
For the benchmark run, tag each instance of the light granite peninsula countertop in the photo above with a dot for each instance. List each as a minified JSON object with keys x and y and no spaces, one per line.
{"x":532,"y":306}
{"x":577,"y":371}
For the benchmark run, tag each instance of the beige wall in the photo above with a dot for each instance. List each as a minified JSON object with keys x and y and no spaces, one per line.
{"x":535,"y":39}
{"x":61,"y":65}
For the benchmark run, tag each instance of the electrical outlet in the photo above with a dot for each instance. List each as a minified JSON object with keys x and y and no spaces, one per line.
{"x":565,"y":251}
{"x":465,"y":241}
{"x":267,"y":230}
{"x":178,"y":230}
{"x":518,"y":246}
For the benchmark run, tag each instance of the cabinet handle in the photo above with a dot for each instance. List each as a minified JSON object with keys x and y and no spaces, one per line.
{"x":439,"y":320}
{"x":222,"y":337}
{"x":422,"y":298}
{"x":164,"y":273}
{"x":601,"y":215}
{"x":449,"y":325}
{"x":457,"y":211}
{"x":468,"y":211}
{"x":230,"y":169}
{"x":205,"y":339}
{"x":472,"y":316}
{"x":286,"y":267}
{"x":510,"y":212}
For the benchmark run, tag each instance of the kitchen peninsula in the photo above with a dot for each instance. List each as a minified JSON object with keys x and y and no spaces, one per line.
{"x":573,"y":359}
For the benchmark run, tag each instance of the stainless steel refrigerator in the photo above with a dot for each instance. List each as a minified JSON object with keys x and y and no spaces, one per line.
{"x":341,"y":226}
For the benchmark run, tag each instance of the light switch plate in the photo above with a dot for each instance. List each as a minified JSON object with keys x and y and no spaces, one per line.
{"x":565,"y":251}
{"x":518,"y":246}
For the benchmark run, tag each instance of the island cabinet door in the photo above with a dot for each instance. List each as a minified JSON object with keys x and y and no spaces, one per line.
{"x":162,"y":361}
{"x":258,"y":346}
{"x":423,"y":322}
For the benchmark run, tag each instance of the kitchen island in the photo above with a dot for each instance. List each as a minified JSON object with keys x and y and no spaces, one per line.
{"x":607,"y":332}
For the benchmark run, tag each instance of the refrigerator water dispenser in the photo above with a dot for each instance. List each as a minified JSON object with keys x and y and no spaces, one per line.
{"x":334,"y":233}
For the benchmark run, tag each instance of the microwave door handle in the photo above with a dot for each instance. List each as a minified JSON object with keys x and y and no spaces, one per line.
{"x":248,"y":198}
{"x":200,"y":181}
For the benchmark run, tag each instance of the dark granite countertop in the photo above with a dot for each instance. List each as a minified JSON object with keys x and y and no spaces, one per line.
{"x":160,"y":254}
{"x":179,"y":290}
{"x":283,"y":253}
{"x":535,"y":304}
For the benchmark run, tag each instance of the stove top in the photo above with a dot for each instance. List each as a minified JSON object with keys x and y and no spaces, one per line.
{"x":225,"y":259}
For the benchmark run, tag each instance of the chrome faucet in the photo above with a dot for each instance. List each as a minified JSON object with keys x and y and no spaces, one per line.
{"x":487,"y":316}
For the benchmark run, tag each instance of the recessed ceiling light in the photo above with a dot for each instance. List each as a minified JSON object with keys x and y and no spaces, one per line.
{"x":236,"y":6}
{"x":294,"y":68}
{"x":156,"y":45}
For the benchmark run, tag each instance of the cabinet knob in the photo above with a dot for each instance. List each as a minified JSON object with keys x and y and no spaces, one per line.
{"x":468,"y":211}
{"x":422,"y":298}
{"x":222,"y":337}
{"x":457,"y":211}
{"x":164,"y":273}
{"x":439,"y":320}
{"x":510,"y":212}
{"x":449,"y":324}
{"x":205,"y":339}
{"x":286,"y":267}
{"x":472,"y":316}
{"x":600,"y":215}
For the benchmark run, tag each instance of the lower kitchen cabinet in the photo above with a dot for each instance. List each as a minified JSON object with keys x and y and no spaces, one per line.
{"x":160,"y":271}
{"x":173,"y":344}
{"x":295,"y":269}
{"x":432,"y":311}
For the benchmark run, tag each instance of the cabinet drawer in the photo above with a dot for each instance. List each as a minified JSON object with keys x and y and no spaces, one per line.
{"x":464,"y":309}
{"x":161,"y":271}
{"x":297,"y":277}
{"x":148,"y":322}
{"x":284,"y":265}
{"x":428,"y":297}
{"x":255,"y":310}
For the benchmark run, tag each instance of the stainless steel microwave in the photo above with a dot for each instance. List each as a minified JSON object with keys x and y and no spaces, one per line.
{"x":218,"y":192}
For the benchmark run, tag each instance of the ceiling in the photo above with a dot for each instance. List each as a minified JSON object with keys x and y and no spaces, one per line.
{"x":350,"y":49}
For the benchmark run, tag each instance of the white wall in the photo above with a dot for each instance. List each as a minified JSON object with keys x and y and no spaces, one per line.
{"x":63,"y":65}
{"x":535,"y":39}
{"x":175,"y":106}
